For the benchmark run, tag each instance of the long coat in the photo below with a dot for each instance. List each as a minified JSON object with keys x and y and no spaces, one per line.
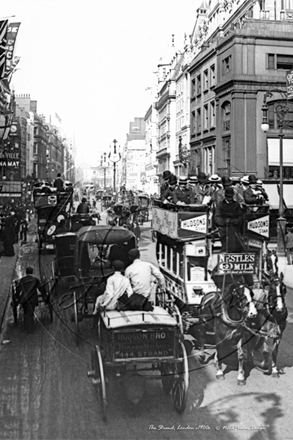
{"x":229,"y":211}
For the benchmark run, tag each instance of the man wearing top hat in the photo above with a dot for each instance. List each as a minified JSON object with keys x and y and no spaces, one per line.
{"x":165,"y":183}
{"x":219,"y":195}
{"x":168,"y":194}
{"x":253,"y":195}
{"x":202,"y":190}
{"x":229,"y":219}
{"x":182,"y":195}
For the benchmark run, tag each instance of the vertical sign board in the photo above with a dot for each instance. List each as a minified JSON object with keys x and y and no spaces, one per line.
{"x":289,"y":81}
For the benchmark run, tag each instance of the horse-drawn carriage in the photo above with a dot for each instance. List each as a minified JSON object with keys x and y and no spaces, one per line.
{"x":126,"y":215}
{"x":50,"y":205}
{"x":143,"y":202}
{"x":132,"y":346}
{"x":93,"y":250}
{"x":129,"y":343}
{"x":203,"y":280}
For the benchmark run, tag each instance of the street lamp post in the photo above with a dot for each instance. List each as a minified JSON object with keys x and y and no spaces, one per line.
{"x":104,"y":165}
{"x":281,"y":111}
{"x":114,"y":158}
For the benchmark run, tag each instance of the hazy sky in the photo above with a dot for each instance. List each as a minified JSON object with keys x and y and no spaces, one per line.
{"x":90,"y":61}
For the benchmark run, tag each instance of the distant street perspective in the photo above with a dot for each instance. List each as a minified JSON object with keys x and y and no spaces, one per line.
{"x":146,"y":220}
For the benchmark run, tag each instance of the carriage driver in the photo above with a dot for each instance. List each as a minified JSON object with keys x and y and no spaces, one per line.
{"x":229,"y":220}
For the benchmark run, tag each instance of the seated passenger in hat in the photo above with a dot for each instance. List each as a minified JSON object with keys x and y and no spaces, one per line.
{"x":168,"y":194}
{"x":202,"y":190}
{"x":253,"y":194}
{"x":182,"y":195}
{"x":165,"y":183}
{"x":192,"y":181}
{"x":219,"y":195}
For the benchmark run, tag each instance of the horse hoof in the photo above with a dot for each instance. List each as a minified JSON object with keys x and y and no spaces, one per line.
{"x":276,"y":375}
{"x":202,"y":359}
{"x":220,"y":377}
{"x":241,"y":383}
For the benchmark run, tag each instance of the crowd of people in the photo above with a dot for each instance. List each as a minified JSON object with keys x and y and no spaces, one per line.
{"x":201,"y":189}
{"x":227,"y":198}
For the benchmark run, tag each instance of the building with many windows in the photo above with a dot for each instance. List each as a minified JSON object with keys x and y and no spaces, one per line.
{"x":210,"y":96}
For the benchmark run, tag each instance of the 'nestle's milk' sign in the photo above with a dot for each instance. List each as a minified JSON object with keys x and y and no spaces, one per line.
{"x":260,"y":226}
{"x":196,"y":224}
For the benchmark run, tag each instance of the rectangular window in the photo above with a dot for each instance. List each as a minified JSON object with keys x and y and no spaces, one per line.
{"x":271,"y":61}
{"x":35,"y":169}
{"x":285,"y":62}
{"x":205,"y":117}
{"x":213,"y":114}
{"x":198,"y":121}
{"x":212,"y":75}
{"x":227,"y":151}
{"x":206,"y":80}
{"x":227,"y":65}
{"x":35,"y":148}
{"x":193,"y":123}
{"x":198,"y":85}
{"x":193,"y":88}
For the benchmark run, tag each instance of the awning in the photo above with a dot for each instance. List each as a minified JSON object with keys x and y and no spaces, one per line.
{"x":272,"y":192}
{"x":274,"y":152}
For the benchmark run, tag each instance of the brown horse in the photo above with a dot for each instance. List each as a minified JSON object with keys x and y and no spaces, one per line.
{"x":237,"y":309}
{"x":199,"y":321}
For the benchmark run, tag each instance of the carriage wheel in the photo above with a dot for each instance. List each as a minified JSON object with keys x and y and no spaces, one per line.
{"x":180,"y":387}
{"x":168,"y":375}
{"x":99,"y":379}
{"x":75,"y":308}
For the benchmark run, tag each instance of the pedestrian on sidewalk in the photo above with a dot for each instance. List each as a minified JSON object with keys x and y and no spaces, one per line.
{"x":27,"y":292}
{"x":289,"y":245}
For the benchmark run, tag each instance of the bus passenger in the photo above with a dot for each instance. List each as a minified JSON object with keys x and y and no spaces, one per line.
{"x":202,"y":190}
{"x":254,"y":194}
{"x":182,"y":195}
{"x":168,"y":194}
{"x":165,"y":184}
